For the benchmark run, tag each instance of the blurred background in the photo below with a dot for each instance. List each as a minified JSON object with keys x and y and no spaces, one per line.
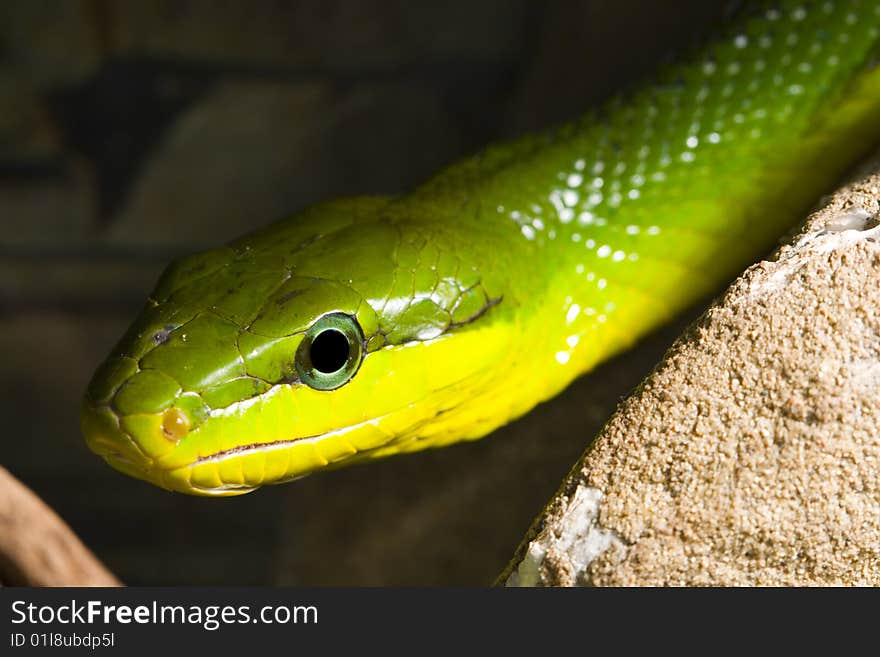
{"x":132,"y":132}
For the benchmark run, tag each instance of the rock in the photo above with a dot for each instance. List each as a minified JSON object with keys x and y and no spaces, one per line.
{"x":750,"y":455}
{"x":277,"y":147}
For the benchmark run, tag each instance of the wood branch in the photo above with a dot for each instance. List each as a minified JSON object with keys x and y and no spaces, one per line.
{"x":750,"y":454}
{"x":37,"y":548}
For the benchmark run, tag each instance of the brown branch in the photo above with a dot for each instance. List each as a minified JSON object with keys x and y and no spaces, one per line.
{"x":37,"y":548}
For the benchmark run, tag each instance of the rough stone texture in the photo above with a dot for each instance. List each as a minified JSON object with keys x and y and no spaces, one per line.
{"x":751,"y":455}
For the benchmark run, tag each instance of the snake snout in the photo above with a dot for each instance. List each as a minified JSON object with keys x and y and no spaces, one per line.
{"x":106,"y":438}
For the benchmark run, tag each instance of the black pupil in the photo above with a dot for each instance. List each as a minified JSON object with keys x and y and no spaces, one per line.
{"x":329,"y":351}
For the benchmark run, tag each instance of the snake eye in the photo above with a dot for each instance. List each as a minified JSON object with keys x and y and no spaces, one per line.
{"x":330,"y":352}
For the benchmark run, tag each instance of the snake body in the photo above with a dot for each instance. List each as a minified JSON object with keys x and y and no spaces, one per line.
{"x":372,"y":326}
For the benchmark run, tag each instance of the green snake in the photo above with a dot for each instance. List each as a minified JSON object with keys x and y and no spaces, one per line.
{"x":372,"y":326}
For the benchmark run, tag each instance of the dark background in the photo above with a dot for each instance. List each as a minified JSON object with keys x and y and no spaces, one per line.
{"x":135,"y":131}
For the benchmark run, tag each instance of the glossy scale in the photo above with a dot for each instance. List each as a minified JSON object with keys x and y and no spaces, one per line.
{"x":490,"y":287}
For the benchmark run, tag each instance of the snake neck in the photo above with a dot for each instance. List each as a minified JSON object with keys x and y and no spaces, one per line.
{"x":615,"y":222}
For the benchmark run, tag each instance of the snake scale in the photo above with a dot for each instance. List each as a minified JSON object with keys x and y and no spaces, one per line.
{"x":371,"y":326}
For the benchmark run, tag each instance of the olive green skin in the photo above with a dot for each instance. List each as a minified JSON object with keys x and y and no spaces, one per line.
{"x":557,"y":250}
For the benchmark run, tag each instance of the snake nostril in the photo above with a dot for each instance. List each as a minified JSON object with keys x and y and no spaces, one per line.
{"x":175,"y":424}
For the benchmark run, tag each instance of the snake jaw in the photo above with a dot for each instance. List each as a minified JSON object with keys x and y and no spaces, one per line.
{"x":106,"y":438}
{"x":181,"y":480}
{"x":291,"y":429}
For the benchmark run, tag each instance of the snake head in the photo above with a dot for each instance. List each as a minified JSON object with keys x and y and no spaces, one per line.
{"x":340,"y":335}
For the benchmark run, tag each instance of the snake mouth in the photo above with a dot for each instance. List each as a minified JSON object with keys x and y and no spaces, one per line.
{"x":231,"y":471}
{"x":244,"y":450}
{"x":191,"y":475}
{"x":243,"y":468}
{"x":105,"y":437}
{"x":258,"y":441}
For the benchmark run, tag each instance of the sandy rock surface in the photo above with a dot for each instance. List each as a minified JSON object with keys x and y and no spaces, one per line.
{"x":751,"y":455}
